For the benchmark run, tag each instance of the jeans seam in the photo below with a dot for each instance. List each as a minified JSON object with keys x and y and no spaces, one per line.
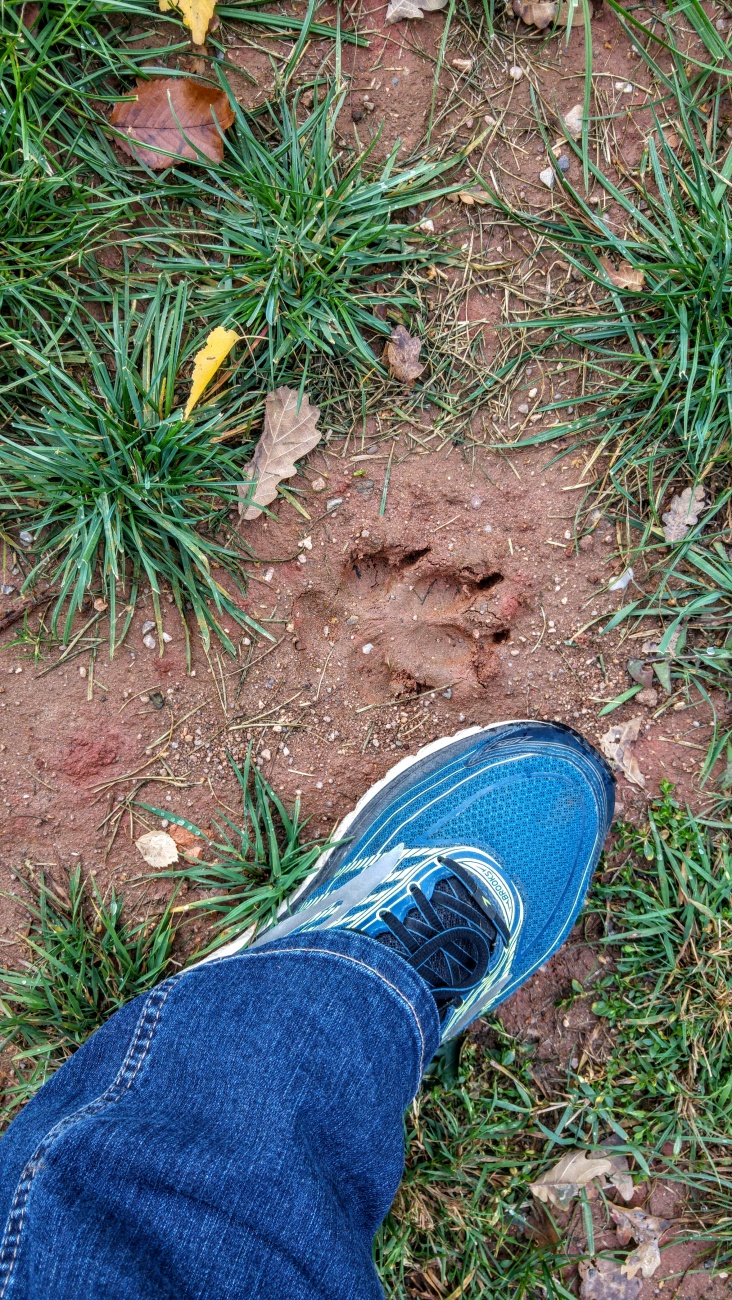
{"x":133,"y":1061}
{"x":327,"y":952}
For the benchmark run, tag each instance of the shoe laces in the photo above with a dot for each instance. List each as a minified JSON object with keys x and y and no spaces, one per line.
{"x":451,"y":939}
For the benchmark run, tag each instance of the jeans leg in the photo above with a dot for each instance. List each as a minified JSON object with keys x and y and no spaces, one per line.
{"x":235,"y":1133}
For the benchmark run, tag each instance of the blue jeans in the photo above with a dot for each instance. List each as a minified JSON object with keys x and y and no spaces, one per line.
{"x":237,"y":1132}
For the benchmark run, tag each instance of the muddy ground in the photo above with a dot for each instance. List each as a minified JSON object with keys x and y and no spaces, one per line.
{"x":461,"y":591}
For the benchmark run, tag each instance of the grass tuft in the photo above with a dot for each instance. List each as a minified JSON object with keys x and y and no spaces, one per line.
{"x":115,"y":485}
{"x":85,"y":960}
{"x":301,"y":237}
{"x":258,"y":863}
{"x":651,"y":1080}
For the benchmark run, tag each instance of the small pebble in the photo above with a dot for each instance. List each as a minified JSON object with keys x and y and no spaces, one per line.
{"x":573,"y":120}
{"x":462,"y":65}
{"x":306,"y":543}
{"x":515,"y":73}
{"x":476,"y":502}
{"x":367,"y":648}
{"x":269,"y":575}
{"x":82,"y":671}
{"x":369,"y":105}
{"x":266,"y":755}
{"x":148,"y":626}
{"x":563,"y":163}
{"x":427,"y":226}
{"x":333,"y":504}
{"x":302,"y":558}
{"x":167,"y":638}
{"x":318,"y":485}
{"x":522,"y":408}
{"x":547,"y":177}
{"x":25,"y":538}
{"x":149,"y":641}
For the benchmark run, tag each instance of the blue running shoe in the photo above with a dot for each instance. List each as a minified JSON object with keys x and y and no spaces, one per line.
{"x":471,"y":860}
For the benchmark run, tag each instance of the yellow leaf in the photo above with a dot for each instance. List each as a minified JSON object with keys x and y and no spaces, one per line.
{"x":216,"y":349}
{"x":197,"y":15}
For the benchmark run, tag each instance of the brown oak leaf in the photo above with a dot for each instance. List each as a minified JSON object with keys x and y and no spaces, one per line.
{"x":289,"y":432}
{"x":682,"y":513}
{"x":646,"y":1229}
{"x":603,"y":1280}
{"x":172,"y":116}
{"x":617,"y":745}
{"x":401,"y":354}
{"x":626,"y":276}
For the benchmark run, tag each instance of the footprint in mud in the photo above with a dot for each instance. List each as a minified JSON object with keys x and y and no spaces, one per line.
{"x":429,"y":625}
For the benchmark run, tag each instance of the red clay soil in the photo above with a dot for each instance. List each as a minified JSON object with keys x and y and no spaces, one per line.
{"x":454,"y":596}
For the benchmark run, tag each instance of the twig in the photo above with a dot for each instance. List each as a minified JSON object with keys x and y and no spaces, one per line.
{"x":412,"y":699}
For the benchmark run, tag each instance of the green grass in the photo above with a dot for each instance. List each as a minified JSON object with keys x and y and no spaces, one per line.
{"x":654,"y":1085}
{"x":301,"y":237}
{"x":661,"y":913}
{"x":258,"y":863}
{"x":113,"y":482}
{"x":85,"y":958}
{"x":289,"y":240}
{"x":655,"y":361}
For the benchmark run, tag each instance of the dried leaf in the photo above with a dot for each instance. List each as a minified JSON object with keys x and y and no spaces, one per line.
{"x":288,"y":434}
{"x":644,"y":1259}
{"x":536,"y":13}
{"x":196,"y":14}
{"x":401,"y":355}
{"x":558,"y":1185}
{"x":176,"y":115}
{"x":398,"y":10}
{"x":603,"y":1280}
{"x":620,"y":1177}
{"x":207,"y":360}
{"x":640,"y":672}
{"x":626,"y":276}
{"x":617,"y":745}
{"x":469,"y":197}
{"x":647,"y":1230}
{"x":157,"y":848}
{"x":192,"y":845}
{"x":683,"y":512}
